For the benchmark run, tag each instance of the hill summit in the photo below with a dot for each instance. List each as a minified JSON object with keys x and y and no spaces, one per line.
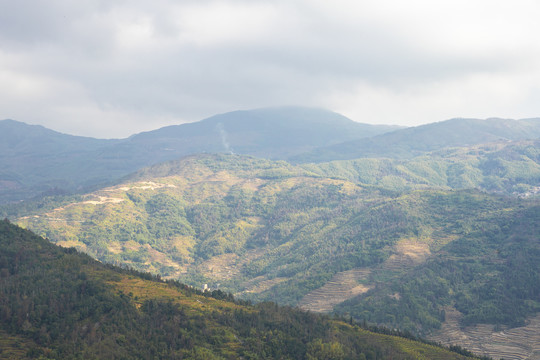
{"x":34,"y":160}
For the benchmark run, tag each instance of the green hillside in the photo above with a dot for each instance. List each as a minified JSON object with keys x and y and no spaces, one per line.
{"x":490,"y":273}
{"x":56,"y":304}
{"x":508,"y":167}
{"x":272,"y":231}
{"x":416,"y":141}
{"x":35,"y":160}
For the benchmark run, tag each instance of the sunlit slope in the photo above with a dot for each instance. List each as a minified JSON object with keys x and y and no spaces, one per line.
{"x":508,"y":167}
{"x":262,"y":229}
{"x":56,"y":303}
{"x":36,"y":160}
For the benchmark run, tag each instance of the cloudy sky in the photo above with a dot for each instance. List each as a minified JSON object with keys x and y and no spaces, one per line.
{"x":111,"y":68}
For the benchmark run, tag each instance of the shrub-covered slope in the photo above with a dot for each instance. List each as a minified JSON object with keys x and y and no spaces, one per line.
{"x":490,"y":273}
{"x":272,"y":231}
{"x":56,"y":304}
{"x":509,"y":167}
{"x":34,"y":160}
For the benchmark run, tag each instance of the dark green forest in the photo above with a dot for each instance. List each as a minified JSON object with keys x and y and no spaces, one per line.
{"x":56,"y":303}
{"x":491,"y":275}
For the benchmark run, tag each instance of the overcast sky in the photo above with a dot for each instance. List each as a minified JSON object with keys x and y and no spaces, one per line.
{"x":112,"y":68}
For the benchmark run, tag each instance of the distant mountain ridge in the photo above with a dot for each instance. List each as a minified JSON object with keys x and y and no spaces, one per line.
{"x":274,"y":133}
{"x":415,"y":141}
{"x":34,"y":159}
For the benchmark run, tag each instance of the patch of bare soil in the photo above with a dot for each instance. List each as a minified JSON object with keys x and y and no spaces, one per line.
{"x":71,"y":243}
{"x":221,"y":267}
{"x":157,"y":257}
{"x":260,"y":284}
{"x":341,"y":287}
{"x":227,"y":266}
{"x":103,"y":200}
{"x":522,"y":343}
{"x":143,"y":185}
{"x":407,"y":253}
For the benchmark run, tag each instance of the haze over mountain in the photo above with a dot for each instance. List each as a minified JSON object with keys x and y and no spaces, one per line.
{"x":34,"y":159}
{"x":273,"y":133}
{"x":414,"y":141}
{"x":351,"y":236}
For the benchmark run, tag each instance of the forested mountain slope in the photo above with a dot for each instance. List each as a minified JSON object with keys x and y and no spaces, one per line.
{"x":272,"y":133}
{"x":416,"y":141}
{"x":507,"y":167}
{"x":272,"y":231}
{"x":34,"y":160}
{"x":57,"y":304}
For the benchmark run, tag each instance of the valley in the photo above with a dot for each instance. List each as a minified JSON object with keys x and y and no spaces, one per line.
{"x":440,"y":242}
{"x":56,"y":303}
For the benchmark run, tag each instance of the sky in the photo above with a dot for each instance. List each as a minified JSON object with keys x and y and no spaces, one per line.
{"x":112,"y":68}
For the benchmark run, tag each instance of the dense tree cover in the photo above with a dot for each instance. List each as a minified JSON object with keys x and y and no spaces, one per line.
{"x":490,"y":274}
{"x":420,"y":140}
{"x":34,"y":159}
{"x":503,"y":167}
{"x":61,"y":304}
{"x":294,"y":229}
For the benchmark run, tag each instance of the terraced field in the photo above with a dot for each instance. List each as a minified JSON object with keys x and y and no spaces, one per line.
{"x":14,"y":347}
{"x":341,"y":287}
{"x":521,"y":343}
{"x":348,"y":284}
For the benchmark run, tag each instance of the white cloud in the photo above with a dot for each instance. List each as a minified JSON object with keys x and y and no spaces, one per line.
{"x":85,"y":66}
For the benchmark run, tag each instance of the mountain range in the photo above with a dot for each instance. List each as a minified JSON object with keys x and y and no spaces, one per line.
{"x":267,"y":230}
{"x":36,"y":160}
{"x":415,"y":141}
{"x":431,"y":229}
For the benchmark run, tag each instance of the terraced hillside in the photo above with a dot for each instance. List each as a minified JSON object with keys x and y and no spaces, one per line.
{"x":521,"y":343}
{"x":58,"y":304}
{"x":349,"y":284}
{"x":268,"y":230}
{"x":343,"y":286}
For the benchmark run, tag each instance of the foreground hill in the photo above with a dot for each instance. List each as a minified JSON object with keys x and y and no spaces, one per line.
{"x":34,"y":160}
{"x":56,"y":304}
{"x":416,"y":141}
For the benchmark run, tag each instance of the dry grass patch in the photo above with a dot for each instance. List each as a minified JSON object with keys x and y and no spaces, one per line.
{"x":141,"y":290}
{"x":260,"y":284}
